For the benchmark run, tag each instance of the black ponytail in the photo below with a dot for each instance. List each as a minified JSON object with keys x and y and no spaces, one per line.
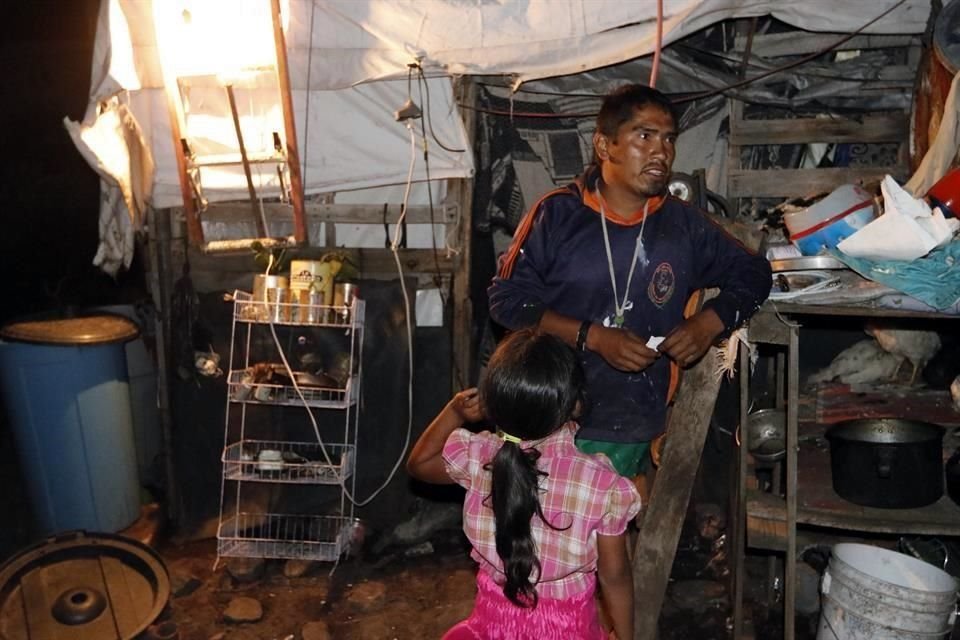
{"x":514,"y":499}
{"x":533,"y":386}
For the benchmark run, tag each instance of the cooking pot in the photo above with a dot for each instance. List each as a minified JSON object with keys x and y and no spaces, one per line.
{"x":953,"y":477}
{"x":887,"y":462}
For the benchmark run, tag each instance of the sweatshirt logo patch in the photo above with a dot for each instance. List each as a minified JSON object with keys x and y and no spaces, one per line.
{"x":662,"y":283}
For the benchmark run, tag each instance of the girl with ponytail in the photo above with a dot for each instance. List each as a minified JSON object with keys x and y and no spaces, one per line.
{"x":546,"y":521}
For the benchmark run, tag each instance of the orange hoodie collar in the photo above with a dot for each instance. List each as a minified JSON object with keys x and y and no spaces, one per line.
{"x":588,"y":184}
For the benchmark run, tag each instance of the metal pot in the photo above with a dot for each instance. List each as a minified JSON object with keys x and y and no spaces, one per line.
{"x":766,"y":430}
{"x":886,"y":462}
{"x":953,"y":477}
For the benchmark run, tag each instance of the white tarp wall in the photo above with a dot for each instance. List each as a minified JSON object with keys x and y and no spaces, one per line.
{"x":348,"y":70}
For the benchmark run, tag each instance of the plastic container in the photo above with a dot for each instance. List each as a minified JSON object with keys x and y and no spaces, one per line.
{"x":946,"y":194}
{"x":871,"y":593}
{"x":142,"y":375}
{"x":825,"y":223}
{"x":66,"y":391}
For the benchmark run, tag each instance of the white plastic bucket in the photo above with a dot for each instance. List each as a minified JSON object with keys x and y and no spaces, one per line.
{"x":871,"y":593}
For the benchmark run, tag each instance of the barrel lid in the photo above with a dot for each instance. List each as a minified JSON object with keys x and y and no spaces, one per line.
{"x":102,"y":328}
{"x":80,"y":586}
{"x":946,"y":37}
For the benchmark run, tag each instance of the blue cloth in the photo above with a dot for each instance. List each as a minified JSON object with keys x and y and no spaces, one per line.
{"x":933,"y":279}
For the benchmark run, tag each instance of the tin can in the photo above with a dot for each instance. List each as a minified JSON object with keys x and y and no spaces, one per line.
{"x":308,"y":274}
{"x":261,"y":284}
{"x":344,"y":293}
{"x":278,"y":304}
{"x":314,"y":308}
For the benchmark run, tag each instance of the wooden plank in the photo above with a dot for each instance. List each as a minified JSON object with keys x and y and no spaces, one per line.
{"x":792,"y":428}
{"x":226,"y":272}
{"x":766,"y":327}
{"x":738,"y":522}
{"x":300,"y":230}
{"x":891,"y":127}
{"x":768,"y":535}
{"x":162,"y":267}
{"x":792,"y":183}
{"x":866,"y":309}
{"x":316,"y":212}
{"x":792,"y":43}
{"x":462,"y":306}
{"x":660,"y":531}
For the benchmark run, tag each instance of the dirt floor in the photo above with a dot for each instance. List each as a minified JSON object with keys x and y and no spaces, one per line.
{"x":412,"y":593}
{"x":398,"y":597}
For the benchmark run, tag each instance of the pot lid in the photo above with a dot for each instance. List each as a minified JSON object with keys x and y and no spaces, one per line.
{"x":80,"y":586}
{"x":102,"y":328}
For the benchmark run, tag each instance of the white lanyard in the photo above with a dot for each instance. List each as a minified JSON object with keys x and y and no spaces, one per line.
{"x":621,"y":308}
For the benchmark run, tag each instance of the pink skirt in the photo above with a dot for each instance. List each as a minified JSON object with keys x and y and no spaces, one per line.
{"x":496,"y":618}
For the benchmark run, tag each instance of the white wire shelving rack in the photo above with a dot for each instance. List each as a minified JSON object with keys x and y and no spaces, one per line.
{"x":244,"y":530}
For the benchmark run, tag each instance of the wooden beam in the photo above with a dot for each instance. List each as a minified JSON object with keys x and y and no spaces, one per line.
{"x":161,"y":269}
{"x":316,"y":213}
{"x":175,"y":111}
{"x":226,"y":272}
{"x":883,"y":128}
{"x":793,"y":43}
{"x":289,"y":125}
{"x":462,"y":328}
{"x":656,"y":545}
{"x":791,"y":183}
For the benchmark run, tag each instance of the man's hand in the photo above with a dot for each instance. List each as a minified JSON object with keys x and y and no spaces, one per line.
{"x":622,"y":349}
{"x":690,"y":339}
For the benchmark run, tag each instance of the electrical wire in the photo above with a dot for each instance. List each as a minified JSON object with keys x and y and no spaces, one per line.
{"x":426,"y":111}
{"x":394,"y":248}
{"x":696,"y":96}
{"x":422,"y":82}
{"x":796,"y":63}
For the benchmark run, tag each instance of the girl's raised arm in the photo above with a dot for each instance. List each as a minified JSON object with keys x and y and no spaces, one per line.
{"x":426,"y":460}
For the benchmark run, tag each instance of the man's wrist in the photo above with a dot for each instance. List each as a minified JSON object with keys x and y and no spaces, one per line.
{"x":582,"y":333}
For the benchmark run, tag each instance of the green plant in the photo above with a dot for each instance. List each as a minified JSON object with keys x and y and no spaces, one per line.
{"x":270,"y":261}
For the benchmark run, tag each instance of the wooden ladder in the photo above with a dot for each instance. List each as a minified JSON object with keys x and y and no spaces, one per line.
{"x":285,"y":156}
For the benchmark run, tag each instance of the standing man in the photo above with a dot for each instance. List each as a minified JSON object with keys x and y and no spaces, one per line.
{"x":609,"y":263}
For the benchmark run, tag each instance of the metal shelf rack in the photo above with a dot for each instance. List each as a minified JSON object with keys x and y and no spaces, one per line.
{"x":261,"y":377}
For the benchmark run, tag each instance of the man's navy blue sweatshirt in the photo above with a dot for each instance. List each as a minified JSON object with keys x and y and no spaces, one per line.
{"x":557,"y":261}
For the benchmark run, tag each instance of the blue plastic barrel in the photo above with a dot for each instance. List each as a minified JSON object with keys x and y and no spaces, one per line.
{"x":65,"y":389}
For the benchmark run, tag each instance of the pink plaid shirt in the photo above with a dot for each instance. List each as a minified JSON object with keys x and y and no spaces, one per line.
{"x":581,"y":493}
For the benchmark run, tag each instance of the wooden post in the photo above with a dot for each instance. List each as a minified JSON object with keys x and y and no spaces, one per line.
{"x":175,"y":111}
{"x":462,"y":308}
{"x":737,"y":524}
{"x":790,"y":562}
{"x":660,"y":531}
{"x":290,"y":128}
{"x":160,"y":266}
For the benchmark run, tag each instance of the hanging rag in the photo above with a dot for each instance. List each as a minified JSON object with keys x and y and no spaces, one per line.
{"x":113,"y":145}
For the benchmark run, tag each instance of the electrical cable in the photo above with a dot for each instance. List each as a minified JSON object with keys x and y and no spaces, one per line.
{"x":796,"y":63}
{"x":433,"y":239}
{"x":704,"y":94}
{"x":426,"y":110}
{"x":394,"y":247}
